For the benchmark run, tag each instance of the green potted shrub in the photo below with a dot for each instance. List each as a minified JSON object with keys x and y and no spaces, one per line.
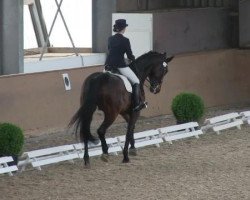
{"x":187,"y":107}
{"x":11,"y":141}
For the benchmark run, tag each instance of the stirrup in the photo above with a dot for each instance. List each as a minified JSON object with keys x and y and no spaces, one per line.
{"x":140,"y":106}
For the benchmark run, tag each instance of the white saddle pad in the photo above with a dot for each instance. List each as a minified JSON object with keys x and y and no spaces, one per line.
{"x":126,"y":82}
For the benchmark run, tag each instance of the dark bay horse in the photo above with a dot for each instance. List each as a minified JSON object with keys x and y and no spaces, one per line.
{"x":107,"y":92}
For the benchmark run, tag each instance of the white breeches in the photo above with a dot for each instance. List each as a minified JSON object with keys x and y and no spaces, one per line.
{"x":126,"y":71}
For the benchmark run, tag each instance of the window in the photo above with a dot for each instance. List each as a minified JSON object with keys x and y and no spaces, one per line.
{"x":29,"y":33}
{"x":78,"y":17}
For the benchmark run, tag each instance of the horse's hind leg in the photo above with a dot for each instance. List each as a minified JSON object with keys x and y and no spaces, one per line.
{"x":86,"y":153}
{"x":108,"y":120}
{"x":84,"y":137}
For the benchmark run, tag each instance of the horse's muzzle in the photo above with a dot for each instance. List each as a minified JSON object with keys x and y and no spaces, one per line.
{"x":155,"y":88}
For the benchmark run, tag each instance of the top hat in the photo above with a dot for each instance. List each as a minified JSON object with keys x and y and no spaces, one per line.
{"x":119,"y":25}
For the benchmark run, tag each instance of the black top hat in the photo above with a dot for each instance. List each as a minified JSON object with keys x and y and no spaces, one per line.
{"x":119,"y":25}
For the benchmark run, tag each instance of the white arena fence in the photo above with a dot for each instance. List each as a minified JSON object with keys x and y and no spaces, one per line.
{"x":42,"y":157}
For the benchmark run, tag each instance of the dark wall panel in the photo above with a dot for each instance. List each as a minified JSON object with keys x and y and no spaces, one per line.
{"x":102,"y":23}
{"x":244,"y":23}
{"x":132,"y":5}
{"x":191,"y":30}
{"x":11,"y":28}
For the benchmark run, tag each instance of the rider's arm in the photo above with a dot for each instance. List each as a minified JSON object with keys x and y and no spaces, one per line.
{"x":129,"y":51}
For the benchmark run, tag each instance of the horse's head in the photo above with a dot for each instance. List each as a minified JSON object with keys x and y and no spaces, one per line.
{"x":157,"y":72}
{"x":152,"y":66}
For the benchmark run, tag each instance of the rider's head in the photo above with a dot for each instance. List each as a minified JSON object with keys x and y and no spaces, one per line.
{"x":120,"y":25}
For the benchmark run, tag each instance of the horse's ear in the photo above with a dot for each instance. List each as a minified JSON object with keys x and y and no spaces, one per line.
{"x":170,"y":58}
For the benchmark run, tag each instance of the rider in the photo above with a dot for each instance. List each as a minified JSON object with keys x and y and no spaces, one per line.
{"x":118,"y":45}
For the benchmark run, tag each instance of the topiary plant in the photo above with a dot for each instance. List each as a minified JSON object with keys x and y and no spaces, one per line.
{"x":187,"y":107}
{"x":11,"y":139}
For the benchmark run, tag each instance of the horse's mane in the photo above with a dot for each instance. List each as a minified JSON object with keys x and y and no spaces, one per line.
{"x":147,"y":55}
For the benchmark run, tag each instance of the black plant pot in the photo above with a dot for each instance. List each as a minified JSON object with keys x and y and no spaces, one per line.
{"x":15,"y":160}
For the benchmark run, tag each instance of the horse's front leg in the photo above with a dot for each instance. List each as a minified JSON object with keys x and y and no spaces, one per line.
{"x":132,"y":149}
{"x":125,"y":149}
{"x":130,"y":138}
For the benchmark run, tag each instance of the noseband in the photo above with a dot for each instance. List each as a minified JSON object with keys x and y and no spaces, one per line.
{"x":154,"y":84}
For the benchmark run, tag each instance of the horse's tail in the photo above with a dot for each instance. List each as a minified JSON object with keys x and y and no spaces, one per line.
{"x":83,"y":117}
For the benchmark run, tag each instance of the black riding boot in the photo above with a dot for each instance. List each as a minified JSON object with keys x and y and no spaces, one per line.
{"x":138,"y":105}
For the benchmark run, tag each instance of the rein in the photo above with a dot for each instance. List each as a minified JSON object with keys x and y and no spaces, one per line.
{"x":147,"y":80}
{"x":137,"y":74}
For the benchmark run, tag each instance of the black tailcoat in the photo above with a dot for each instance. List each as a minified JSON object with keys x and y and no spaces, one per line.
{"x":118,"y":45}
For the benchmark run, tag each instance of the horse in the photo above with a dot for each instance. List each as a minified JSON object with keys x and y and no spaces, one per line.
{"x":107,"y":92}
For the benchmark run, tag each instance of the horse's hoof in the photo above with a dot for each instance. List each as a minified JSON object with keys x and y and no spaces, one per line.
{"x":87,"y":165}
{"x":105,"y":157}
{"x":125,"y":161}
{"x":132,"y":152}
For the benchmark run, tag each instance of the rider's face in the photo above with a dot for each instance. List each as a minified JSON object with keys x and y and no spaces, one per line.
{"x":123,"y":30}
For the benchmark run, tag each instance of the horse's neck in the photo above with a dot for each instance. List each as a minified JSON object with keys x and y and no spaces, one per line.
{"x":142,"y":70}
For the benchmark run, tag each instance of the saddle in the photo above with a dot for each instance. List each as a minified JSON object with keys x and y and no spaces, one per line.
{"x":126,"y":82}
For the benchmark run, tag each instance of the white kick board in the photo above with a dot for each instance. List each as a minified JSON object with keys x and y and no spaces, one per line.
{"x":139,"y":31}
